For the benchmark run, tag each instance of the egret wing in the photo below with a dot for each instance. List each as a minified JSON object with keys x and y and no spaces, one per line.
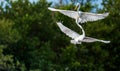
{"x":71,"y":14}
{"x":67,"y":31}
{"x":89,"y":39}
{"x":85,"y":16}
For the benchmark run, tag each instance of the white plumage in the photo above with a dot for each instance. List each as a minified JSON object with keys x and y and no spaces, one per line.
{"x":79,"y":16}
{"x":77,"y":38}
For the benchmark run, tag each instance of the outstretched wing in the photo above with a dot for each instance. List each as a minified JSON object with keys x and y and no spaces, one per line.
{"x":85,"y":16}
{"x":71,"y":14}
{"x":89,"y":39}
{"x":67,"y":31}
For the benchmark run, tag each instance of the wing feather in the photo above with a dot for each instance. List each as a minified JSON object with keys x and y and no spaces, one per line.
{"x":69,"y":13}
{"x":85,"y":16}
{"x":89,"y":39}
{"x":67,"y":31}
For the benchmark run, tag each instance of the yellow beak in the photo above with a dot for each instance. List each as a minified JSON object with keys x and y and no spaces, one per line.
{"x":76,"y":8}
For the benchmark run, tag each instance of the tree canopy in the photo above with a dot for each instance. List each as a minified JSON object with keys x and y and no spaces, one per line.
{"x":30,"y":40}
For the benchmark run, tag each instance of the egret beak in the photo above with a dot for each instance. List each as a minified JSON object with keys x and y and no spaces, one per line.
{"x":76,"y":7}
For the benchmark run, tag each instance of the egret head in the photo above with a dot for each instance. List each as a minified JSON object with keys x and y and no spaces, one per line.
{"x":77,"y":6}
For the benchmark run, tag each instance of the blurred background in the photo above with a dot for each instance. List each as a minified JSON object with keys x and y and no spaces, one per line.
{"x":30,"y":40}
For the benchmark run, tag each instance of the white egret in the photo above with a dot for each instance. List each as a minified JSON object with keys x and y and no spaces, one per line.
{"x":77,"y":38}
{"x":79,"y":16}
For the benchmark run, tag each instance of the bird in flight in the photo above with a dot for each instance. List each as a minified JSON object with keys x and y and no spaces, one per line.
{"x":77,"y":38}
{"x":79,"y":16}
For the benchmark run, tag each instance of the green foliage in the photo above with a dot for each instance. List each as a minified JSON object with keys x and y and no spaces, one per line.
{"x":6,"y":62}
{"x":7,"y":33}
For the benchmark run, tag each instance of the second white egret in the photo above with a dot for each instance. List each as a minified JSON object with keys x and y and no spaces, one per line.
{"x":77,"y":38}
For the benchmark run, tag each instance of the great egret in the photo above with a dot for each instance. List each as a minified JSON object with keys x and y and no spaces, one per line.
{"x":76,"y":38}
{"x":79,"y":16}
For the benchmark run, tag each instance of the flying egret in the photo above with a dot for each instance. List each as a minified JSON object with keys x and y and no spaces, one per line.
{"x":79,"y":16}
{"x":77,"y":38}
